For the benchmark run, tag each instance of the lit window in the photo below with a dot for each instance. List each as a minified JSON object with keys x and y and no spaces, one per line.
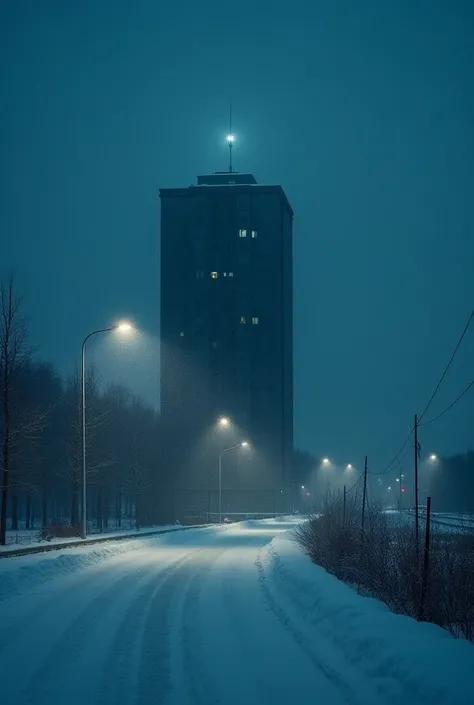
{"x":182,"y":334}
{"x":213,"y":275}
{"x":224,"y":274}
{"x":231,"y":274}
{"x":242,"y":233}
{"x":243,"y":319}
{"x":255,"y":320}
{"x":254,"y":233}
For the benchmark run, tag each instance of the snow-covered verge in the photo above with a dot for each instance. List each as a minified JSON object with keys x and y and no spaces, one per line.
{"x":29,"y":539}
{"x":22,"y":573}
{"x":403,"y":660}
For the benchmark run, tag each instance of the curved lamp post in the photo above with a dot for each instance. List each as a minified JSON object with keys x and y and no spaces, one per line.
{"x":242,"y":444}
{"x":122,"y":327}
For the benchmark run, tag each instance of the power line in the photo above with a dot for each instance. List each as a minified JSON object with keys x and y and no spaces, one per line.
{"x":400,"y":461}
{"x":389,"y":467}
{"x":355,"y":483}
{"x":426,"y":423}
{"x":448,"y":365}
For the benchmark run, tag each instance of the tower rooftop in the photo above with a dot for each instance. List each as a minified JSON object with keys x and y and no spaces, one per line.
{"x":226,"y":178}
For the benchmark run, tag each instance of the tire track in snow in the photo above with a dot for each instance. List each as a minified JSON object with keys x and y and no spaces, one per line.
{"x":304,"y":643}
{"x":199,"y":685}
{"x":79,"y":635}
{"x":169,"y":648}
{"x":44,"y":599}
{"x":120,"y":677}
{"x":154,"y":670}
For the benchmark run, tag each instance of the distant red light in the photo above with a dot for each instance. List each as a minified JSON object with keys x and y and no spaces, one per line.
{"x":403,"y":489}
{"x":308,"y":494}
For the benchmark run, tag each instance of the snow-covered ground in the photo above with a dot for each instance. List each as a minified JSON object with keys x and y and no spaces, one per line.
{"x":222,"y":615}
{"x":445,"y":522}
{"x":29,"y":539}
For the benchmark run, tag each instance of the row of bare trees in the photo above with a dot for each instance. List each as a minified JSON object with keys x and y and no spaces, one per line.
{"x":40,"y":433}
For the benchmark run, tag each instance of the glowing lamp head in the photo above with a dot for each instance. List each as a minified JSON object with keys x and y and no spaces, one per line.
{"x":124,"y":327}
{"x":224,"y":422}
{"x":348,"y":466}
{"x":245,"y":444}
{"x":325,"y":461}
{"x":433,"y":457}
{"x":230,"y":139}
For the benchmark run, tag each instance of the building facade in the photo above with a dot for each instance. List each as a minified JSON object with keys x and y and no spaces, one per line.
{"x":227,"y":341}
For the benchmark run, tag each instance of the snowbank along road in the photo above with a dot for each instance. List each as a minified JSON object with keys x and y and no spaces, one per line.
{"x":227,"y":616}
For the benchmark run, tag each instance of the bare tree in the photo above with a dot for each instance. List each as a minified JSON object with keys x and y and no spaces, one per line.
{"x":14,"y":353}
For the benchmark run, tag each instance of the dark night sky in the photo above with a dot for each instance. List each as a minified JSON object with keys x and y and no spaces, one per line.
{"x":362,"y":110}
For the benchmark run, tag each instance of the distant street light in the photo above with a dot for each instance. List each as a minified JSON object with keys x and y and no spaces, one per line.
{"x":224,"y":422}
{"x":349,"y":466}
{"x":242,"y":444}
{"x":122,"y":327}
{"x":433,"y":457}
{"x":326,"y":461}
{"x":302,"y":487}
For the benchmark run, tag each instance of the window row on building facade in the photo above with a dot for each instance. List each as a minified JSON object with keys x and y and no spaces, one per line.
{"x":251,"y":233}
{"x":200,"y":274}
{"x":253,"y":320}
{"x":215,"y":275}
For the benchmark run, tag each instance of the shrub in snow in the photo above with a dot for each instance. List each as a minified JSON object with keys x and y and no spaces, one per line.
{"x":383,"y":561}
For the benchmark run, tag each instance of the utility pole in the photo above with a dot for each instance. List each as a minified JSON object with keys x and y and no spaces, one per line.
{"x":364,"y":496}
{"x":426,"y":561}
{"x":400,"y":492}
{"x":344,"y":507}
{"x":417,"y":528}
{"x":209,"y":499}
{"x":220,"y":487}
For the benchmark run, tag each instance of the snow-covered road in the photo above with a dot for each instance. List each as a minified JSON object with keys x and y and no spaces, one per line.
{"x":196,"y":618}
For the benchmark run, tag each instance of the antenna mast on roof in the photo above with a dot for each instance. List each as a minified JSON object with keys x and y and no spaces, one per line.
{"x":230,"y":138}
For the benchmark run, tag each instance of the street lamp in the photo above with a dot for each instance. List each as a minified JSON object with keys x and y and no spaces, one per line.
{"x":224,"y":422}
{"x":122,"y":327}
{"x":325,"y":461}
{"x":242,"y":444}
{"x":433,"y":457}
{"x":348,"y":466}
